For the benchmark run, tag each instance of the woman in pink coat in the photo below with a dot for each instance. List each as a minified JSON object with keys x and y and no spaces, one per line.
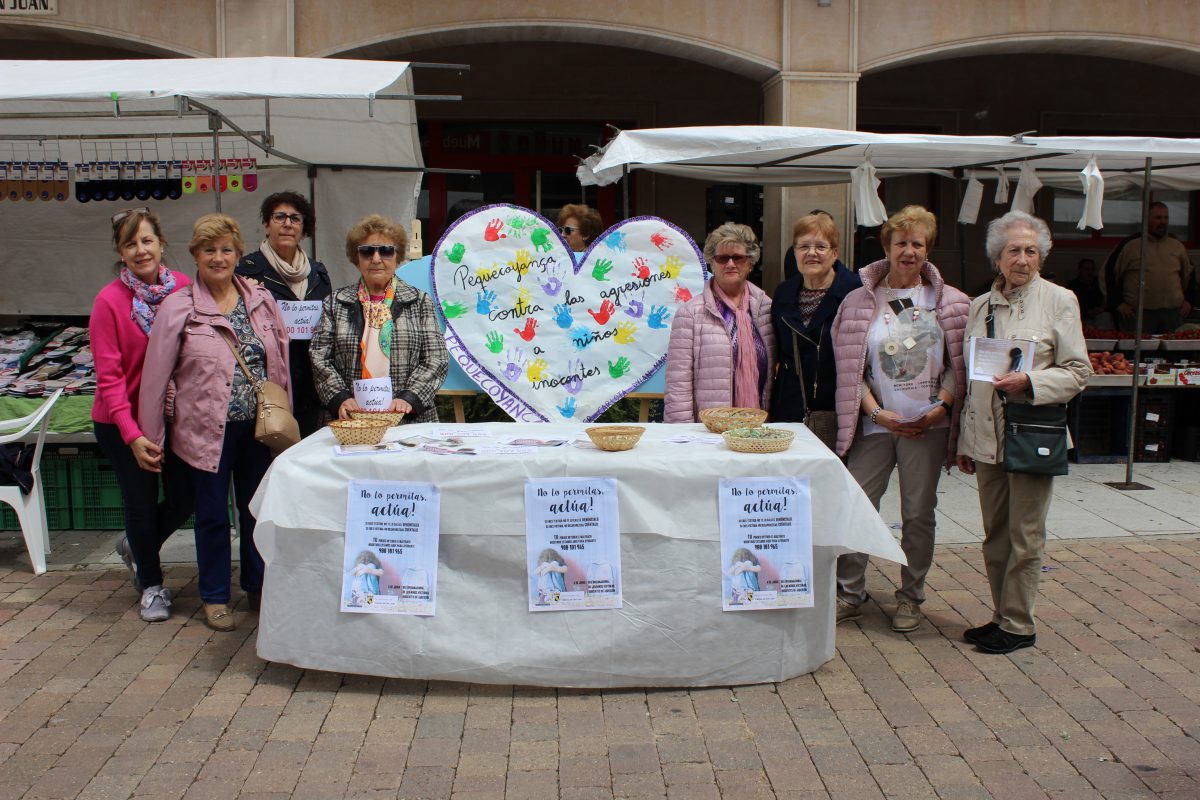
{"x":722,"y":347}
{"x":213,"y":413}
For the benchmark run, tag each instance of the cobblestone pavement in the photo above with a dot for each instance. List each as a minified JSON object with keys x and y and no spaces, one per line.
{"x":95,"y":703}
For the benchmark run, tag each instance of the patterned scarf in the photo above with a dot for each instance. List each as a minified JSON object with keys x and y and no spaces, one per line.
{"x":377,"y":315}
{"x":147,"y":296}
{"x":295,"y":273}
{"x":745,"y":359}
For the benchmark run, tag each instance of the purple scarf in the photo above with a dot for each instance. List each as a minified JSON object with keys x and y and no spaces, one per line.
{"x":147,"y":296}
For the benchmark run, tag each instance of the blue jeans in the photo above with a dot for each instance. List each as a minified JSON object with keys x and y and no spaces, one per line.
{"x":245,"y":461}
{"x":148,"y":523}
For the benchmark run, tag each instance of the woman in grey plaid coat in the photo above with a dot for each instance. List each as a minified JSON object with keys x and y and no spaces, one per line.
{"x":379,"y":327}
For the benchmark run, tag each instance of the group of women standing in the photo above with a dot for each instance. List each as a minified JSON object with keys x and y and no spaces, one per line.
{"x":874,"y":363}
{"x":178,"y":362}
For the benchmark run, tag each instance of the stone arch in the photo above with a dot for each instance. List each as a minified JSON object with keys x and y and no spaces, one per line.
{"x":77,"y":40}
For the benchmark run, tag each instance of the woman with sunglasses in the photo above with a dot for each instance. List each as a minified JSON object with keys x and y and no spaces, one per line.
{"x":210,"y":346}
{"x":281,"y":265}
{"x":379,"y":328}
{"x":122,"y":316}
{"x":722,"y":344}
{"x":580,"y":225}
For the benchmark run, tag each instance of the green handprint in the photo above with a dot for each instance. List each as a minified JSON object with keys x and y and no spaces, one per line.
{"x":452,"y":310}
{"x":541,"y":239}
{"x":620,"y":368}
{"x":601,"y":270}
{"x":518,"y":225}
{"x":671,"y":267}
{"x":456,"y":253}
{"x":495,"y":342}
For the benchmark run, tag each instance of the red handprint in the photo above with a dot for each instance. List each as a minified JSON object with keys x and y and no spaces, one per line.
{"x":492,"y":232}
{"x":661,"y":240}
{"x":682,"y":295}
{"x":529,"y":331}
{"x":641,"y":268}
{"x":606,"y":310}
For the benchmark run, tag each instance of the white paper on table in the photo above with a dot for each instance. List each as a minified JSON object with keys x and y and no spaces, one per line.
{"x":391,"y":552}
{"x":695,"y":438}
{"x":573,"y":544}
{"x":373,"y":394}
{"x":529,"y":442}
{"x":343,"y":450}
{"x":457,"y":432}
{"x":922,"y":412}
{"x":990,"y":358}
{"x":506,"y":450}
{"x":766,"y":543}
{"x":299,"y":317}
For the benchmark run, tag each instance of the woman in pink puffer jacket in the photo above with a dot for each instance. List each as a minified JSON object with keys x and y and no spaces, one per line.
{"x":710,"y":360}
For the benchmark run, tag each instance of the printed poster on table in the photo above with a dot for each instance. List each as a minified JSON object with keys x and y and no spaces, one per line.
{"x":766,"y":543}
{"x":573,"y":541}
{"x":391,"y":557}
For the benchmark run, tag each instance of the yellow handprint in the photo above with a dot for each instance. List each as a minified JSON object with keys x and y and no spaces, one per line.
{"x":521,"y":264}
{"x":536,"y":370}
{"x":625,"y":331}
{"x":672,"y":267}
{"x":524,"y":296}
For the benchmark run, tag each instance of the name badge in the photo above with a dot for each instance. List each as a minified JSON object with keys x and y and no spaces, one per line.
{"x":299,"y":317}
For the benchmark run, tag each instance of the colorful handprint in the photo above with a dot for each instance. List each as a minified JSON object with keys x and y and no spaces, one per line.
{"x":617,"y":240}
{"x":456,"y":253}
{"x":485,"y":302}
{"x":529,"y":331}
{"x":452,"y":310}
{"x":601,"y":270}
{"x":682,"y":295}
{"x":536,"y":370}
{"x":553,"y":284}
{"x":641,"y":268}
{"x":619,"y":369}
{"x":581,"y":337}
{"x":574,"y":381}
{"x":661,"y":240}
{"x":635,"y":307}
{"x":524,"y":297}
{"x":541,"y":240}
{"x":492,"y":232}
{"x":521,"y":264}
{"x":625,"y":332}
{"x":604,"y":314}
{"x":519,"y":224}
{"x":672,"y":267}
{"x":658,"y":317}
{"x":567,"y":409}
{"x":512,"y":362}
{"x":562,"y":316}
{"x":495,"y":342}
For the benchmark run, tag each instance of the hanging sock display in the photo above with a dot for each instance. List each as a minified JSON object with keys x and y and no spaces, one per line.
{"x":1027,"y":186}
{"x":29,"y":187}
{"x":45,"y":181}
{"x":62,"y":181}
{"x":249,"y":174}
{"x":204,"y":181}
{"x":968,"y":214}
{"x":188,"y":185}
{"x":4,"y":180}
{"x":1093,"y":196}
{"x":234,"y":167}
{"x":128,"y":185}
{"x":112,"y":180}
{"x":174,"y":180}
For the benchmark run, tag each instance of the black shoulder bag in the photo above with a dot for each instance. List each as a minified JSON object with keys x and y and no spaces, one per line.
{"x":1035,"y":437}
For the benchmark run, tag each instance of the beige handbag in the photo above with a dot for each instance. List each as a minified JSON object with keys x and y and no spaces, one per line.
{"x":274,"y":424}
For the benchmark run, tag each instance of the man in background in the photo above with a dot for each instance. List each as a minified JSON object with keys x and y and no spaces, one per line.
{"x":1168,"y":273}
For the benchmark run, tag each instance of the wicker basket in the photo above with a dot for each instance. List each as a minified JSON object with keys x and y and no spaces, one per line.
{"x":615,"y":437}
{"x":719,"y":420}
{"x":768,"y":440}
{"x":389,"y":417}
{"x":358,"y":431}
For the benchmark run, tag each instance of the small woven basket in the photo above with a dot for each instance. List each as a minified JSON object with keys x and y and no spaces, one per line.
{"x":768,"y":440}
{"x":615,"y":437}
{"x":389,"y":417}
{"x":719,"y":420}
{"x":358,"y":431}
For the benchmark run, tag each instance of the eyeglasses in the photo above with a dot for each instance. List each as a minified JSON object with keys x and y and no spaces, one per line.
{"x":369,"y":250}
{"x":567,"y":230}
{"x":725,"y":258}
{"x":281,"y":217}
{"x":820,"y":249}
{"x":120,"y":216}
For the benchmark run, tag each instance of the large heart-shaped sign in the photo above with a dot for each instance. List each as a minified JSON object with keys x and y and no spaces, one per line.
{"x":566,"y":339}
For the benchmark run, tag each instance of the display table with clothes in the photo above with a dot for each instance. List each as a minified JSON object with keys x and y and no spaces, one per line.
{"x":671,"y":630}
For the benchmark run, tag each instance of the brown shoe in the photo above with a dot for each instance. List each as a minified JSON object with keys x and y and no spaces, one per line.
{"x":254,"y":601}
{"x":218,"y":617}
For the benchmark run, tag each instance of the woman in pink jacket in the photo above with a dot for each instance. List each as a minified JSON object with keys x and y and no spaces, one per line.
{"x":722,"y":347}
{"x":120,"y":326}
{"x":898,"y":341}
{"x":214,"y":407}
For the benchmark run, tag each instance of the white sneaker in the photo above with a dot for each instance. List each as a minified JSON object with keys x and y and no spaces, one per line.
{"x":156,"y":604}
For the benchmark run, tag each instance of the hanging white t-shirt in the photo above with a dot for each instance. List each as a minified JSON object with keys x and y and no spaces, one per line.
{"x":905,"y":354}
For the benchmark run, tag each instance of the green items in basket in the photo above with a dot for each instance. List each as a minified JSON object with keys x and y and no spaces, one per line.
{"x":1035,"y":439}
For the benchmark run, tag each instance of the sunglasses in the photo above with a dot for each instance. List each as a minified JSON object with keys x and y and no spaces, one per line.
{"x":282,"y":217}
{"x":567,"y":230}
{"x":369,"y":250}
{"x":725,"y":258}
{"x":120,"y":216}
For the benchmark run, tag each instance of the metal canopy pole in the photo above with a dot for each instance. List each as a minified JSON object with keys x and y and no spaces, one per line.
{"x":1129,"y":484}
{"x":214,"y":124}
{"x":625,"y":189}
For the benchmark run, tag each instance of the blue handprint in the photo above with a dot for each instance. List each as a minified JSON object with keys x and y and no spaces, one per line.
{"x":484,"y":301}
{"x":616,"y":241}
{"x":635,"y":308}
{"x":658,"y":317}
{"x":581,"y":337}
{"x":562,"y":315}
{"x":567,"y":409}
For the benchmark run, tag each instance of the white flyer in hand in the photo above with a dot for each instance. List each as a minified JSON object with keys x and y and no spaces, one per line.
{"x":990,"y":358}
{"x":299,"y":317}
{"x":766,"y":543}
{"x":391,"y":555}
{"x":573,"y":543}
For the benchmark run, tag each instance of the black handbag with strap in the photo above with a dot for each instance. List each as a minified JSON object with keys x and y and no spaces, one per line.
{"x":1035,"y":437}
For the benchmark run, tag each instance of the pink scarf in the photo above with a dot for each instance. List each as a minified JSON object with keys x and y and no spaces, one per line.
{"x":745,"y":373}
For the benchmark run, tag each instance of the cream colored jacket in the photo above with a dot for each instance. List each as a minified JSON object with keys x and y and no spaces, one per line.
{"x":1047,"y":314}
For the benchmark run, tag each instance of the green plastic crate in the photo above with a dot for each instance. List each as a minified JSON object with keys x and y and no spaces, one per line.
{"x":95,"y":496}
{"x":55,"y":491}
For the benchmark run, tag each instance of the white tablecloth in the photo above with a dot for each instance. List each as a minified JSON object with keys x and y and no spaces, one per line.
{"x":671,"y":631}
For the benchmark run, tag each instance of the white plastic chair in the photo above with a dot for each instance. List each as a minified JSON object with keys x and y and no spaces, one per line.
{"x":31,"y":508}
